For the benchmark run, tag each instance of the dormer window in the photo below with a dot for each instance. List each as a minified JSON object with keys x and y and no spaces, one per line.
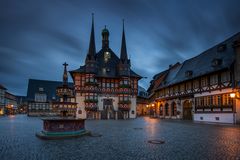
{"x":216,"y":62}
{"x":40,"y":89}
{"x":188,"y":73}
{"x":107,"y":56}
{"x":221,"y":47}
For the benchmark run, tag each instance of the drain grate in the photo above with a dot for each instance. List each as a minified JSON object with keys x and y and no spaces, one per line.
{"x":95,"y":135}
{"x":156,"y":141}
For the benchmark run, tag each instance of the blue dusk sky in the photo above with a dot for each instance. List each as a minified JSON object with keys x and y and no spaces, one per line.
{"x":38,"y":36}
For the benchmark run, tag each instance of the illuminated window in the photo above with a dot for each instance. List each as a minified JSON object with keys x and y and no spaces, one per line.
{"x":107,"y":56}
{"x":214,"y":99}
{"x":219,"y":97}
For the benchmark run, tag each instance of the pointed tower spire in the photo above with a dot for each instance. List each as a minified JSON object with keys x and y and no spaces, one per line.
{"x":90,"y":61}
{"x":124,"y":63}
{"x":65,"y":75}
{"x":92,"y":47}
{"x":123,"y":55}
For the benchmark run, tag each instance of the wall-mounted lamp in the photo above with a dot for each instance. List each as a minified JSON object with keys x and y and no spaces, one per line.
{"x":232,"y":95}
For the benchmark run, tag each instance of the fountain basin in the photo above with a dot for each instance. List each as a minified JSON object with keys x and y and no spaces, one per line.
{"x":61,"y":128}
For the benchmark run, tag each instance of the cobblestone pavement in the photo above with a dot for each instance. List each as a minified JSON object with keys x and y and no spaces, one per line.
{"x":121,"y":139}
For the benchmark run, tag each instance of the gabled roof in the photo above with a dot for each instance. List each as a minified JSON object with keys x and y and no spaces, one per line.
{"x":157,"y":80}
{"x":81,"y":69}
{"x":111,"y":66}
{"x":49,"y":88}
{"x":162,"y":78}
{"x":97,"y":63}
{"x":202,"y":64}
{"x":171,"y":74}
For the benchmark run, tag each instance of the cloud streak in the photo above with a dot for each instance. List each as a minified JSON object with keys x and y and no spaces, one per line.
{"x":38,"y":36}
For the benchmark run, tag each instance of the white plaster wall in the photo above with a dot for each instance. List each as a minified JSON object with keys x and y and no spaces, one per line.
{"x":100,"y":103}
{"x":80,"y":106}
{"x":179,"y":108}
{"x":115,"y":103}
{"x":133,"y":108}
{"x":211,"y":117}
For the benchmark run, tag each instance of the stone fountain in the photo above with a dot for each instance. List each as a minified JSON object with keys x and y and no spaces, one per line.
{"x":66,"y":125}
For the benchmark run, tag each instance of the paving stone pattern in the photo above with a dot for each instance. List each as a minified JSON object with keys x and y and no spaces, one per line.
{"x":121,"y":139}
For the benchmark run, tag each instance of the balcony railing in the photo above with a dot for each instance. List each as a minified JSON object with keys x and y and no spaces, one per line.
{"x":91,"y":101}
{"x":91,"y":84}
{"x":125,"y":102}
{"x":91,"y":108}
{"x":124,"y":107}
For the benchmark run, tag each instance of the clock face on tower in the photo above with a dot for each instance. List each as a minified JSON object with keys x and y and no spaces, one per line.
{"x":107,"y":56}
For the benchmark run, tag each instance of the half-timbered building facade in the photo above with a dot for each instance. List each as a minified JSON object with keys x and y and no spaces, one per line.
{"x":41,"y":94}
{"x":203,"y":88}
{"x":105,"y":86}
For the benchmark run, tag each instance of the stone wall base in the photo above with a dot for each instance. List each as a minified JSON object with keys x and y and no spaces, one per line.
{"x":215,"y":117}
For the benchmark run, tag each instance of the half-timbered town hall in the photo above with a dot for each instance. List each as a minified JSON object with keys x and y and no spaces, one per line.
{"x":105,"y":86}
{"x":203,"y":88}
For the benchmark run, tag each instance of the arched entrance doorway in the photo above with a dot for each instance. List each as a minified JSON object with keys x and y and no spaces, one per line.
{"x":166,"y":109}
{"x":187,"y":110}
{"x":108,"y":110}
{"x":173,"y":109}
{"x":161,"y":110}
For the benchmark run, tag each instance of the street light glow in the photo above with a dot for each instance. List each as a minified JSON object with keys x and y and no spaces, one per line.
{"x":232,"y":95}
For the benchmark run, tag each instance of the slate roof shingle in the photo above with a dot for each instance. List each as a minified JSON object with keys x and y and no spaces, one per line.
{"x":49,"y":88}
{"x":112,"y":65}
{"x":201,"y":64}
